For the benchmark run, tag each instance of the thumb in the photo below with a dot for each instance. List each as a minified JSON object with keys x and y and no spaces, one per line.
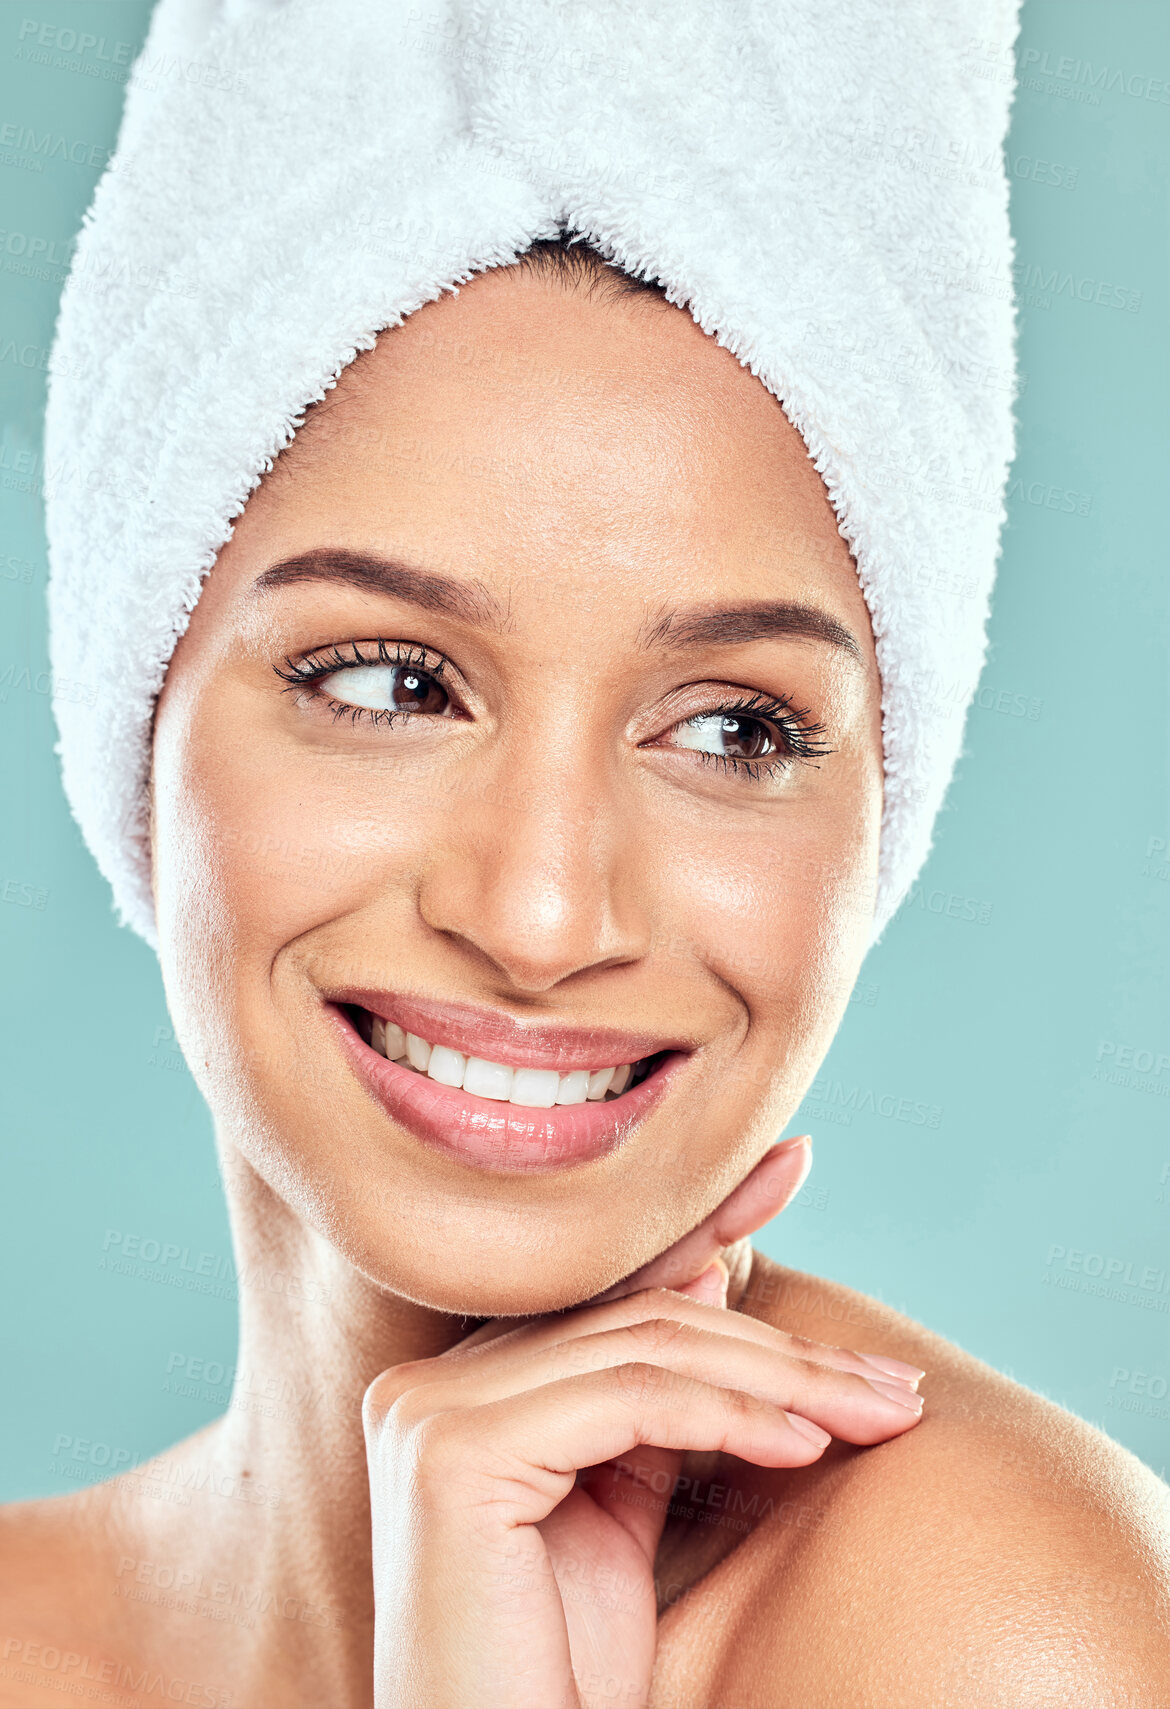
{"x":710,"y":1288}
{"x":771,"y":1186}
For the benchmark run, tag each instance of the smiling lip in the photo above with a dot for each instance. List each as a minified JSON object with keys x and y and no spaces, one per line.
{"x":506,"y":1138}
{"x":500,"y":1038}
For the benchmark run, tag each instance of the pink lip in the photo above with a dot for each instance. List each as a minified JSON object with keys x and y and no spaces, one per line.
{"x":500,"y":1038}
{"x":503,"y":1138}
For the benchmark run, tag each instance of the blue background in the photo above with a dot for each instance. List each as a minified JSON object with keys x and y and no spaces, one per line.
{"x":1019,"y":995}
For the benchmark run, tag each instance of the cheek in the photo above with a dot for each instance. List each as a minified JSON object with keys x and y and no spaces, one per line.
{"x":270,"y":845}
{"x":262,"y":846}
{"x":781,"y":911}
{"x":259,"y":849}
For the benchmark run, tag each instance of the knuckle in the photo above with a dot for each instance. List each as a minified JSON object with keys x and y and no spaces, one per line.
{"x":804,"y":1347}
{"x":655,"y":1334}
{"x":439,"y":1448}
{"x":424,"y":1455}
{"x":639,"y":1381}
{"x":741,"y":1403}
{"x":809,"y":1370}
{"x":848,"y":1382}
{"x":388,"y":1390}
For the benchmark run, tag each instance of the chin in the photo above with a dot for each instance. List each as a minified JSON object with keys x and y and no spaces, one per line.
{"x":486,"y":1279}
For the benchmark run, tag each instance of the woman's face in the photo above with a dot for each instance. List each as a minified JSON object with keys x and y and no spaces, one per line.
{"x":533,"y":707}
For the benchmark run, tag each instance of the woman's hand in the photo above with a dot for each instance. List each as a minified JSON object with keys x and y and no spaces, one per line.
{"x":505,"y":1579}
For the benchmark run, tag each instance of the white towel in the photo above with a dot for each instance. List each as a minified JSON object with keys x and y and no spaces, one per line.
{"x":820,"y":182}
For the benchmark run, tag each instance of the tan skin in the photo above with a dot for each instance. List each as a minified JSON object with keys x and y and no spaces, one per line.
{"x":551,"y":851}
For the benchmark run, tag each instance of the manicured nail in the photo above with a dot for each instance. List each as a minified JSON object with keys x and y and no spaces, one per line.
{"x":893,"y":1367}
{"x":806,"y":1427}
{"x":714,"y":1279}
{"x":893,"y":1391}
{"x":787,"y":1145}
{"x":782,"y":1154}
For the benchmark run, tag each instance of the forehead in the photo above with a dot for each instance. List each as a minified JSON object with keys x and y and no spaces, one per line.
{"x":520,"y":429}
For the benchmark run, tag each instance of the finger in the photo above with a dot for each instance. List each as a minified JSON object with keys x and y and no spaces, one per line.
{"x":710,"y":1286}
{"x":530,"y":1445}
{"x":772,"y":1184}
{"x":859,"y":1405}
{"x":859,"y":1409}
{"x":516,"y":1354}
{"x":635,"y":1490}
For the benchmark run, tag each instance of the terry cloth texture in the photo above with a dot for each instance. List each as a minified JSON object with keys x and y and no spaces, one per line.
{"x":819,"y":182}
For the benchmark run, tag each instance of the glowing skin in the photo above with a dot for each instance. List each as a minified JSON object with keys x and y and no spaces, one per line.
{"x":554,"y":852}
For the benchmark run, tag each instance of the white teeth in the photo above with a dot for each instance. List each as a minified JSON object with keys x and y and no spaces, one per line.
{"x":446,"y":1066}
{"x":599,"y":1083}
{"x":535,"y":1088}
{"x":418,"y":1052}
{"x":621,"y":1079}
{"x":488,"y":1079}
{"x":573,"y":1087}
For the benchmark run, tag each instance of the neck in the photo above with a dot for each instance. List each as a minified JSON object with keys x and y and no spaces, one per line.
{"x":314,"y":1333}
{"x":279,"y":1506}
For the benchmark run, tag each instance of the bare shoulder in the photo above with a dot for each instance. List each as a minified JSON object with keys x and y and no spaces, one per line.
{"x":45,"y":1546}
{"x":48,"y":1551}
{"x":73,"y":1623}
{"x":1002,"y":1552}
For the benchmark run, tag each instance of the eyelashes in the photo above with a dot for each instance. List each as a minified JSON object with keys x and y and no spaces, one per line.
{"x":746,"y":720}
{"x":417,"y":665}
{"x":800,"y":735}
{"x":323,"y":661}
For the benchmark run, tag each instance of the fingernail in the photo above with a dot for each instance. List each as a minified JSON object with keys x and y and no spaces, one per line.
{"x":805,"y":1427}
{"x":782,"y":1153}
{"x":893,"y":1367}
{"x":893,"y":1391}
{"x":714,"y":1279}
{"x":786,"y":1145}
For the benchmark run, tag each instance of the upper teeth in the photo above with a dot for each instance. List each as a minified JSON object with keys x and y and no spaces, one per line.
{"x":536,"y":1088}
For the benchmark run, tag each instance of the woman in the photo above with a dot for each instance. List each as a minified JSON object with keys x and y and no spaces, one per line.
{"x":518,"y":798}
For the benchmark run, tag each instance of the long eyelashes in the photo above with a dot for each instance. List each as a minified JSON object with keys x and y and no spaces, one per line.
{"x":325,"y":660}
{"x":797,"y":734}
{"x":303,"y":675}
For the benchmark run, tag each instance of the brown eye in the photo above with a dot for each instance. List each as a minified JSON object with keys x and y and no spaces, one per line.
{"x":387,"y":688}
{"x":730,"y":735}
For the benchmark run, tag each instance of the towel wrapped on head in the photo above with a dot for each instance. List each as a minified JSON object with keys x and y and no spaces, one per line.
{"x":820,"y":183}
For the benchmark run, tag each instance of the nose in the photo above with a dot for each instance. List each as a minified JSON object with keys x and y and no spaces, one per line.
{"x":540,"y":881}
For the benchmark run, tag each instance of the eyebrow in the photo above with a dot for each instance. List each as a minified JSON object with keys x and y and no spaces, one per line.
{"x":472,"y":602}
{"x":729,"y":626}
